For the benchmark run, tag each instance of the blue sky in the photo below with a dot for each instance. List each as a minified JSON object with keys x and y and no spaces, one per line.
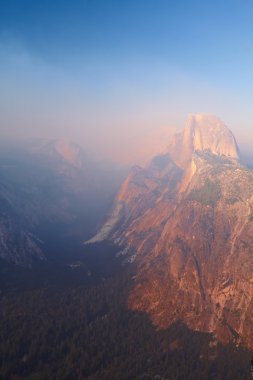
{"x":101,"y":71}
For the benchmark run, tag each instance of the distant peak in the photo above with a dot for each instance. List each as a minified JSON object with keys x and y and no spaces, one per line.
{"x":69,"y":151}
{"x":203,"y":132}
{"x":62,"y":149}
{"x":207,"y":122}
{"x":211,"y":133}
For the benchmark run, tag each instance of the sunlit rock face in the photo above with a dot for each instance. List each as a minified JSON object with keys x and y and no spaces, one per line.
{"x":203,"y":132}
{"x":188,"y":221}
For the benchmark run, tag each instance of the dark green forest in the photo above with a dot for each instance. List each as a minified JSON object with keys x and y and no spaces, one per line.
{"x":72,"y":322}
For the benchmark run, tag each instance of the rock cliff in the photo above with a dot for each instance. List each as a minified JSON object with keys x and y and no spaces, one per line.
{"x":187,"y":220}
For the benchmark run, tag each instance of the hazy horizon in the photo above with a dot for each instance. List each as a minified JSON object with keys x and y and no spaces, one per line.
{"x":108,"y":75}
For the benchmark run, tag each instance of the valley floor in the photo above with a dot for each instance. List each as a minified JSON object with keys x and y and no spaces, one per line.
{"x":72,"y":322}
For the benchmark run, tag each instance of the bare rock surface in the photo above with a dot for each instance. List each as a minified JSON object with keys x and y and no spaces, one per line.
{"x":188,"y":218}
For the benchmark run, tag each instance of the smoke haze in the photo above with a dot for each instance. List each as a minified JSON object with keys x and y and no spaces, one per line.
{"x":108,"y":77}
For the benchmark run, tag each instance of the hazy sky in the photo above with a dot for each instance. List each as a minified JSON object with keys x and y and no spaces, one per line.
{"x":105,"y":72}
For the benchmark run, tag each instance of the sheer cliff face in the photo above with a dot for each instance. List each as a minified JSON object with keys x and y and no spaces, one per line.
{"x":203,"y":133}
{"x":188,"y":220}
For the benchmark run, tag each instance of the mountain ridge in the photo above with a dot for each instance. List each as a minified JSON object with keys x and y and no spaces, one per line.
{"x":203,"y":132}
{"x":186,"y":221}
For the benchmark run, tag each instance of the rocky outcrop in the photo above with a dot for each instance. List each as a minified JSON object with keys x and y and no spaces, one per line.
{"x":188,"y":219}
{"x":203,"y":132}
